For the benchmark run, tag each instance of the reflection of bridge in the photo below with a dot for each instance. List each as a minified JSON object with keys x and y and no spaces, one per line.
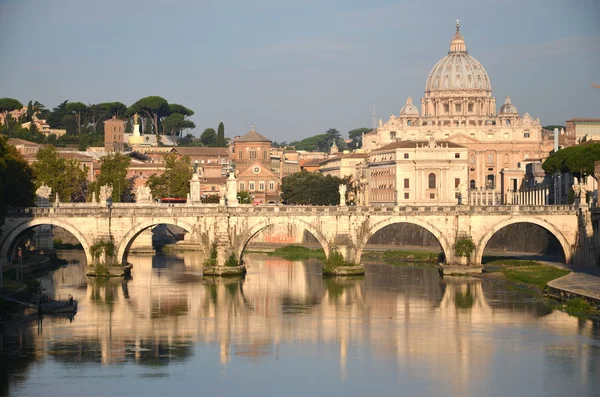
{"x":345,"y":229}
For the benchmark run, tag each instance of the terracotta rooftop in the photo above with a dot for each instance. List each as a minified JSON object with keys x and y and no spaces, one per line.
{"x":253,"y":136}
{"x":202,"y":151}
{"x":17,"y":141}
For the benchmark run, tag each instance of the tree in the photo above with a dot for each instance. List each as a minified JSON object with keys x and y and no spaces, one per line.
{"x":332,"y":136}
{"x":577,"y":160}
{"x":113,"y":171}
{"x":310,"y":188}
{"x":56,"y":116}
{"x":16,"y":179}
{"x":175,"y":181}
{"x":147,"y":126}
{"x":175,"y":123}
{"x":356,"y":136}
{"x":244,"y":197}
{"x":64,"y":176}
{"x":316,"y":142}
{"x":128,"y":126}
{"x":209,"y":137}
{"x":78,"y":109}
{"x":29,"y":114}
{"x":221,"y":136}
{"x":153,"y":107}
{"x":9,"y":104}
{"x":180,"y":109}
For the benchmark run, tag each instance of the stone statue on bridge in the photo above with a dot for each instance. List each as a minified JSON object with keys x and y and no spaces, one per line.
{"x":580,"y":192}
{"x":105,"y":192}
{"x":342,"y":190}
{"x":43,"y":196}
{"x":143,"y":195}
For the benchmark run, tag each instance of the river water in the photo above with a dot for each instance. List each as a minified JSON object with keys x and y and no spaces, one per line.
{"x":286,"y":331}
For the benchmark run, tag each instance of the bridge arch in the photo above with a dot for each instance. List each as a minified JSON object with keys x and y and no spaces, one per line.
{"x":446,"y":248}
{"x":526,"y":219}
{"x":256,"y":228}
{"x":130,"y":236}
{"x":29,"y":223}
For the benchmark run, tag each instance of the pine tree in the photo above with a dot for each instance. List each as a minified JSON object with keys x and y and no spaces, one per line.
{"x":221,"y":135}
{"x":128,"y":127}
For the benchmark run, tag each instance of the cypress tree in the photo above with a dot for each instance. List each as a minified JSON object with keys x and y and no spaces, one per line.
{"x":221,"y":135}
{"x":147,"y":126}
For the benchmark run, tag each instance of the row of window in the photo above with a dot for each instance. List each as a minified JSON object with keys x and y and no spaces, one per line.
{"x":253,"y":154}
{"x":252,"y":186}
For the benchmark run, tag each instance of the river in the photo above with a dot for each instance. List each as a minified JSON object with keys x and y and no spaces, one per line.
{"x":284,"y":330}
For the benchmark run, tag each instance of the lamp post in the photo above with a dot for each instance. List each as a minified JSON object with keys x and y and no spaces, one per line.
{"x":109,"y":204}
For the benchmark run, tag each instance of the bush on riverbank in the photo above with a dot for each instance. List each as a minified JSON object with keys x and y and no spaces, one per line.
{"x":334,"y":261}
{"x":295,"y":252}
{"x":580,"y":307}
{"x":527,"y":272}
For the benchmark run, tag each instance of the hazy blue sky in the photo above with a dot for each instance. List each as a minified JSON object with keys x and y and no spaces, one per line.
{"x":296,"y":68}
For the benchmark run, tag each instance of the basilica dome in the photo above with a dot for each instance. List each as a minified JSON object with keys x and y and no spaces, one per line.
{"x":458,"y":70}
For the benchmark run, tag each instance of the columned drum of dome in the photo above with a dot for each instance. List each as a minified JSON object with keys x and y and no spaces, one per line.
{"x":458,"y":85}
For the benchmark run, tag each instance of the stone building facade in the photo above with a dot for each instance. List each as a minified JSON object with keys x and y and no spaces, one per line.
{"x":417,"y":173}
{"x":114,"y":138}
{"x":251,"y":155}
{"x":458,"y":107}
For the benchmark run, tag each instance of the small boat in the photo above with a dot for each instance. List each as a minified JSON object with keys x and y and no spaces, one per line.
{"x":58,"y":306}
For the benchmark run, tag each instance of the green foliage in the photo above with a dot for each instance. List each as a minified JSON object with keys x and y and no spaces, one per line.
{"x":295,"y":252}
{"x":209,"y":137}
{"x":56,"y":116}
{"x":244,"y":197}
{"x":129,"y":126}
{"x":232,"y":261}
{"x":212,"y":258}
{"x":16,"y":179}
{"x":176,"y":123}
{"x":310,"y":188}
{"x":580,"y":307}
{"x":175,"y":181}
{"x":64,"y":176}
{"x":577,"y":160}
{"x":175,"y":108}
{"x":552,"y":127}
{"x":527,"y":271}
{"x":538,"y":275}
{"x":148,"y":130}
{"x":153,"y":107}
{"x":211,"y":199}
{"x":311,"y":144}
{"x":106,"y":247}
{"x":101,"y":270}
{"x":334,"y":261}
{"x":9,"y":104}
{"x":78,"y":109}
{"x":221,"y":136}
{"x":464,"y":300}
{"x":113,"y":171}
{"x":356,"y":136}
{"x":464,"y":247}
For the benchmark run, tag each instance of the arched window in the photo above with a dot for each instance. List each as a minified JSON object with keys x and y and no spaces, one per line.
{"x":240,"y":154}
{"x":472,"y":184}
{"x":253,"y":154}
{"x":265,"y":154}
{"x":409,"y":123}
{"x":507,"y":122}
{"x":432,"y":181}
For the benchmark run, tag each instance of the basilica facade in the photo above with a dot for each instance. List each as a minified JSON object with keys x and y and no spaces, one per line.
{"x":458,"y":108}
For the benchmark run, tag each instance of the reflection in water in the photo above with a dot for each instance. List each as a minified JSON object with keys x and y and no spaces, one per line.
{"x":396,"y":325}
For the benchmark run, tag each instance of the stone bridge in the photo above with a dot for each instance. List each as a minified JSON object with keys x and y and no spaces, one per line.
{"x":343,"y":229}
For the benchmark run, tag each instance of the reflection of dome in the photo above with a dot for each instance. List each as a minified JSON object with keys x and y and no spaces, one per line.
{"x":409,"y":109}
{"x":458,"y":70}
{"x":508,"y":107}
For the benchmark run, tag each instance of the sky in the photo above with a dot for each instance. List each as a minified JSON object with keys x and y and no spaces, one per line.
{"x":296,"y":68}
